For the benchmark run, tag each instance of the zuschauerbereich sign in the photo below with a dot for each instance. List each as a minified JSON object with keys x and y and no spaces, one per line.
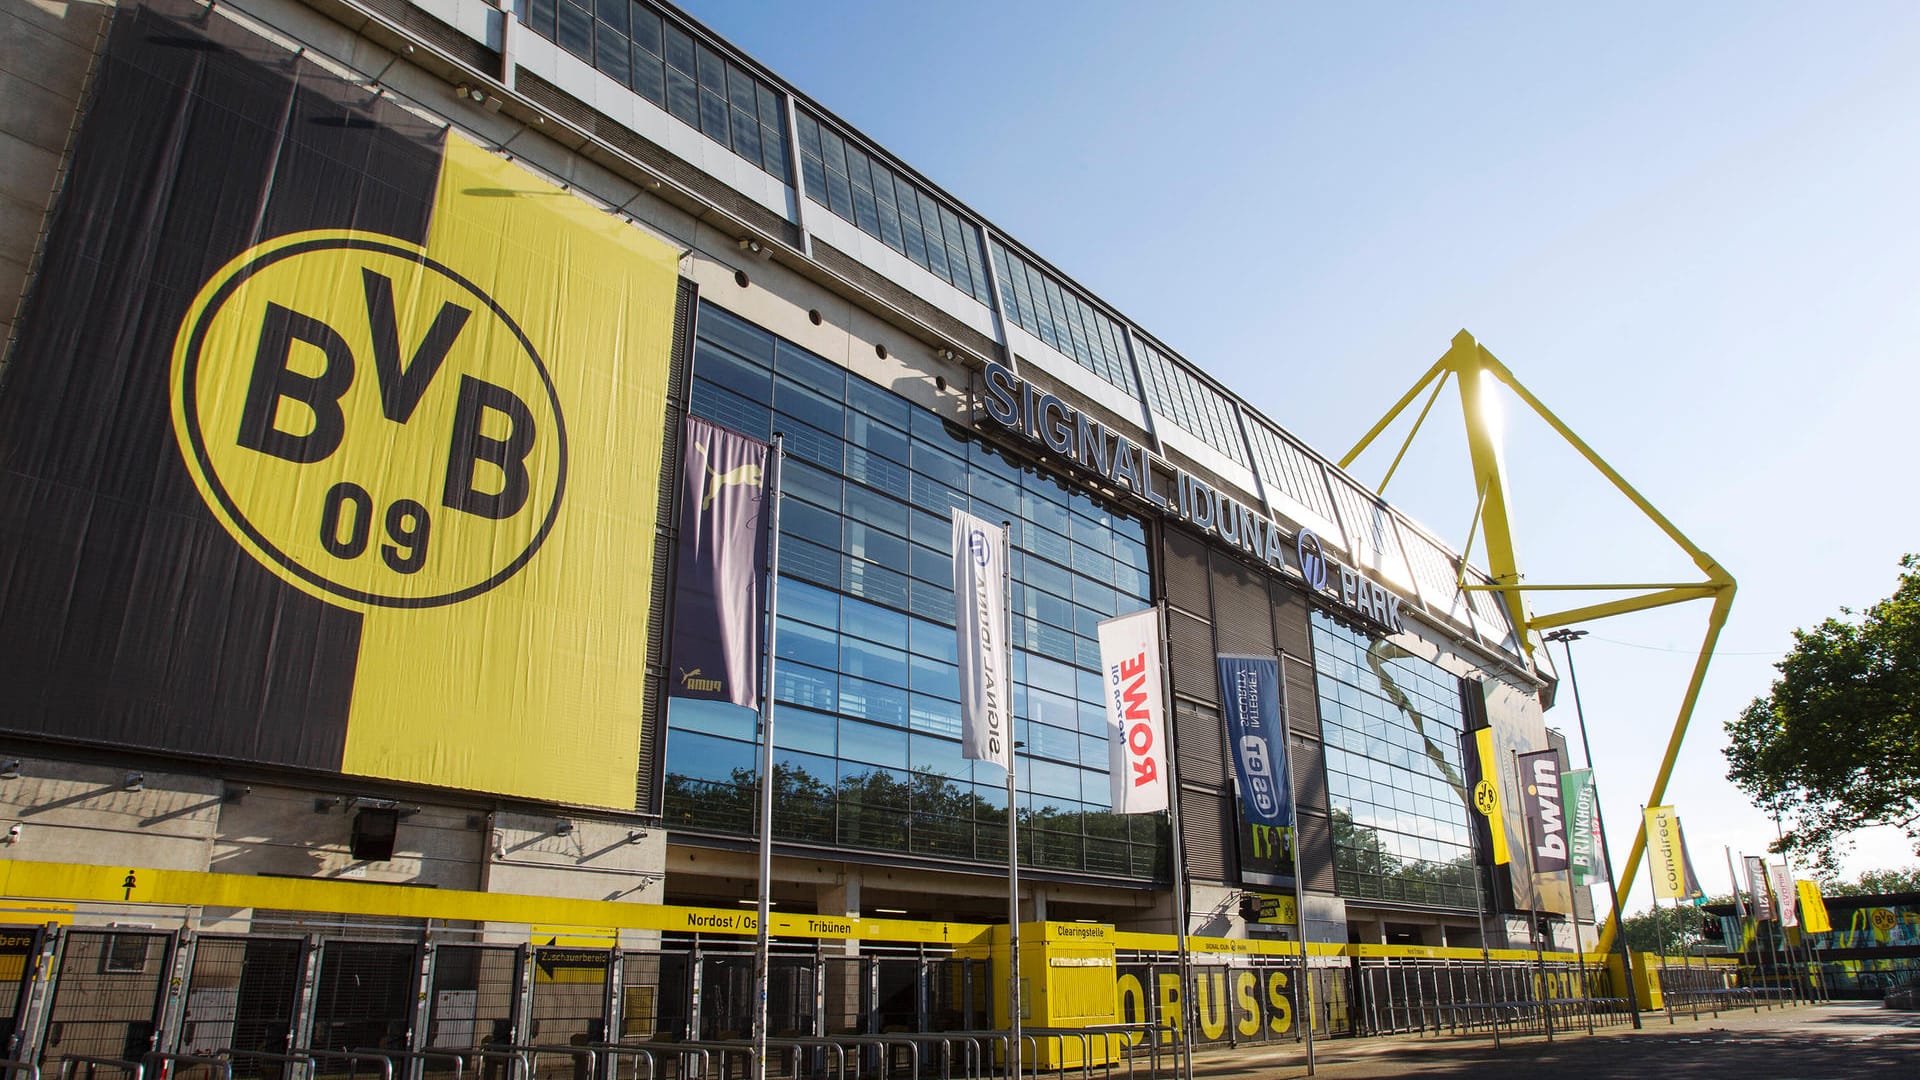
{"x":1043,"y":418}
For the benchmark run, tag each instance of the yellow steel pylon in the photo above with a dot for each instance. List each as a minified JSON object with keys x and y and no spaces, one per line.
{"x":1468,"y":362}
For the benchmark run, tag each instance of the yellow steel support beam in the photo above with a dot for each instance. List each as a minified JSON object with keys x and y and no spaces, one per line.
{"x":1471,"y":365}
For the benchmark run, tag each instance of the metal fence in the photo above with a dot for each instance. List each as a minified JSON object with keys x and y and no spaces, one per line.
{"x":403,"y":1003}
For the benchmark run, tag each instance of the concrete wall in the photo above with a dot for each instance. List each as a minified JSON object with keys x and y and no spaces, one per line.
{"x":46,"y":49}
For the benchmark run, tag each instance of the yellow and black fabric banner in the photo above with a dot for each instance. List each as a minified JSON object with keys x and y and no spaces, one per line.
{"x":330,"y":440}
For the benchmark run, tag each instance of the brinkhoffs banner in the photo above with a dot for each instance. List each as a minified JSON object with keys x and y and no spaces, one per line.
{"x":330,"y":440}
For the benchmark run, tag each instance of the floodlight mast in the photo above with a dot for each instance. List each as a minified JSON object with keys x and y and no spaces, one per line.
{"x":1477,"y":370}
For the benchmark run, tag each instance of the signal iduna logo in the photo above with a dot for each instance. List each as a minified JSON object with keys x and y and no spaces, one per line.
{"x":366,"y":422}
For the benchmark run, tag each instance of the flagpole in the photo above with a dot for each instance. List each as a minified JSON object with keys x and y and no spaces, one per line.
{"x":762,"y":960}
{"x":1600,"y":819}
{"x":1299,"y":899}
{"x":1480,"y":912}
{"x":1533,"y":896}
{"x":1814,"y":988}
{"x":1014,"y":1046}
{"x":1183,"y":964}
{"x":1579,"y":950}
{"x":1686,"y":956}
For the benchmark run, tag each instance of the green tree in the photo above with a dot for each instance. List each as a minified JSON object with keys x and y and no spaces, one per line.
{"x":1835,"y":745}
{"x":1876,"y":882}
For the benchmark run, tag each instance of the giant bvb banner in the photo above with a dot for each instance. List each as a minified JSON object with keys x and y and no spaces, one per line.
{"x":329,"y":440}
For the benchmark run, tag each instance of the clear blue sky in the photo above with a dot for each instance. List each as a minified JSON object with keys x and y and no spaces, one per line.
{"x":1692,"y":230}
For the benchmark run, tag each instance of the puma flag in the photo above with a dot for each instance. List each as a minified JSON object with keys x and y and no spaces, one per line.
{"x":980,"y":607}
{"x":722,"y":554}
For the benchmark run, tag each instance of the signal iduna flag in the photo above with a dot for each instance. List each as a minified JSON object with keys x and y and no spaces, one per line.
{"x":1136,"y":728}
{"x":980,"y":603}
{"x":722,"y":558}
{"x":1673,"y":876}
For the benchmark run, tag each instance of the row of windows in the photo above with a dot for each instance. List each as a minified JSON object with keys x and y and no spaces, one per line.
{"x":630,"y":43}
{"x":1184,"y":398}
{"x":633,"y":43}
{"x":1054,"y":313}
{"x":866,"y":675}
{"x":860,"y":188}
{"x":1391,"y":723}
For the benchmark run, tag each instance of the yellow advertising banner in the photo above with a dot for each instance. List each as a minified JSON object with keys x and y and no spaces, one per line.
{"x":1813,"y":908}
{"x":1667,"y":856}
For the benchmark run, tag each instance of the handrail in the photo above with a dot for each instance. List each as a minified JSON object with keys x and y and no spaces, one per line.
{"x":459,"y":1063}
{"x":137,"y":1070}
{"x":352,"y":1057}
{"x":168,"y":1060}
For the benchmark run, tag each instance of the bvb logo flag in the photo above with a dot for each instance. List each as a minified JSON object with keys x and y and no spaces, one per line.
{"x":1136,"y":740}
{"x":1673,"y":876}
{"x":722,"y":552}
{"x":980,"y":599}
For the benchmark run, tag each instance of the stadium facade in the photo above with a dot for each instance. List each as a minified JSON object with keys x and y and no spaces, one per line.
{"x":342,"y":428}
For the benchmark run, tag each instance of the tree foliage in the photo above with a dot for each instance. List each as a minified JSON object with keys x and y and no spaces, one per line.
{"x":1667,"y":930}
{"x":1835,"y":745}
{"x":1876,"y":883}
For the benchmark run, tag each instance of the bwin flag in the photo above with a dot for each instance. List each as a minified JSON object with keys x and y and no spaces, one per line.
{"x":980,"y":599}
{"x":1546,"y":823}
{"x":723,"y":550}
{"x":1582,"y":805}
{"x":1673,"y":876}
{"x":1136,"y":739}
{"x":1250,"y":689}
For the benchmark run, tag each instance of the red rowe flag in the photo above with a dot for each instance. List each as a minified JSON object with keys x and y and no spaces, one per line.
{"x":1136,"y":726}
{"x":722,"y":555}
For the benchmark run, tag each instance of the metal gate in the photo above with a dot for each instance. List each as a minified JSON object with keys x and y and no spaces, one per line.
{"x":242,"y":994}
{"x":106,"y":1002}
{"x":18,"y":946}
{"x":473,"y":996}
{"x":364,"y":995}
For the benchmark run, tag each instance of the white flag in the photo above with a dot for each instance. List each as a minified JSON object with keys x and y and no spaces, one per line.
{"x":1136,"y":728}
{"x":980,"y":608}
{"x":1785,"y":892}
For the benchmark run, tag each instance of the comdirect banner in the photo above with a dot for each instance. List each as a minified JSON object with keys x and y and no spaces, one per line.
{"x":330,"y":440}
{"x":1250,"y":692}
{"x":1136,"y":727}
{"x":1673,"y":876}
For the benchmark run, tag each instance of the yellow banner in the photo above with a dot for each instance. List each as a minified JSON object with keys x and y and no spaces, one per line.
{"x":1665,"y":854}
{"x":1813,"y":908}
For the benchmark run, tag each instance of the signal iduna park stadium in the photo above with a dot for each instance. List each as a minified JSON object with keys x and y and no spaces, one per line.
{"x":341,"y":447}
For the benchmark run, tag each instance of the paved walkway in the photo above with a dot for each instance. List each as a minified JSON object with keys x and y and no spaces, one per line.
{"x":1852,"y":1040}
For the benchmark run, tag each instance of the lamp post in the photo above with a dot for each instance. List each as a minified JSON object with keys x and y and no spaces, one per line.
{"x":1566,"y":638}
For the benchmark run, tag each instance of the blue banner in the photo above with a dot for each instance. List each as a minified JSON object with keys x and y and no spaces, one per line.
{"x":1250,"y":693}
{"x":720,"y":591}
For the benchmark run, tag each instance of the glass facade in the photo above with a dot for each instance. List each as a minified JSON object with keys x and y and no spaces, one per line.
{"x":858,"y":187}
{"x":1039,"y":304}
{"x":631,"y":43}
{"x":867,"y":731}
{"x":1392,"y":724}
{"x":1191,"y":403}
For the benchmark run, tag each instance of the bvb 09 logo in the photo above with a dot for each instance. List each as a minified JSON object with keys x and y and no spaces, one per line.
{"x":367,"y":422}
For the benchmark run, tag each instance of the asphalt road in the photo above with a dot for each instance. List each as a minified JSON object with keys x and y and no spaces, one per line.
{"x":1838,"y":1041}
